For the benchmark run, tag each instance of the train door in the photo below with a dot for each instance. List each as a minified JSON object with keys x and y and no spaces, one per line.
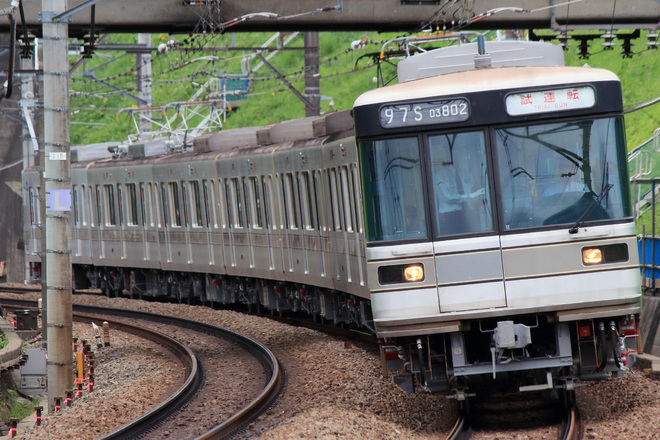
{"x":466,"y":248}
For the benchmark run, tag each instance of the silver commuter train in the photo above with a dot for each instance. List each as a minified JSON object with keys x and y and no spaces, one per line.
{"x":477,"y":220}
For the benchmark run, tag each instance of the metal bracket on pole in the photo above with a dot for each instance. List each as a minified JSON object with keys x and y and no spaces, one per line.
{"x":28,"y":121}
{"x":53,"y":17}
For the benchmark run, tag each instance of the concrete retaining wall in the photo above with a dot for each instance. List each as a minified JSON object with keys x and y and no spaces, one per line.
{"x":650,"y":324}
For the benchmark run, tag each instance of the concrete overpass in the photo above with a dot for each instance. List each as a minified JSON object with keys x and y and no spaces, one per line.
{"x":186,"y":16}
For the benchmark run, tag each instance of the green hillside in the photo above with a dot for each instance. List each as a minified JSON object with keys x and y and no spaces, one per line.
{"x":344,"y":75}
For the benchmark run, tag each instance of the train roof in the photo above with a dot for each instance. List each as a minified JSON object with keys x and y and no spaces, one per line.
{"x":487,"y":79}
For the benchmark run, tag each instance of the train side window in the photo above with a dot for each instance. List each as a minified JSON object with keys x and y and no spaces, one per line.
{"x":269,"y":215}
{"x":307,"y":202}
{"x":255,"y":203}
{"x":290,"y":207}
{"x":334,"y":200}
{"x":166,"y":204}
{"x":247,"y":199}
{"x":347,"y":201}
{"x":153,"y":197}
{"x":196,"y":205}
{"x":109,"y":205}
{"x":98,"y":205}
{"x":90,"y":204}
{"x":76,"y":206}
{"x":184,"y":204}
{"x":79,"y":201}
{"x":144,"y":206}
{"x":120,"y":200}
{"x":132,"y":205}
{"x":237,"y":204}
{"x":318,"y":191}
{"x":228,"y":205}
{"x":175,"y":205}
{"x":356,"y":198}
{"x":209,"y":204}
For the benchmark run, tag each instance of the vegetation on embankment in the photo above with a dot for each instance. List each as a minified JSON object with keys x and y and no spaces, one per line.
{"x":345,"y":74}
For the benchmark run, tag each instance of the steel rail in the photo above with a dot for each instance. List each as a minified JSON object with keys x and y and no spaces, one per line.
{"x":236,"y":422}
{"x":571,"y":429}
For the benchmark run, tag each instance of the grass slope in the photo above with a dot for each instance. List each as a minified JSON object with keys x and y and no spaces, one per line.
{"x":177,"y":76}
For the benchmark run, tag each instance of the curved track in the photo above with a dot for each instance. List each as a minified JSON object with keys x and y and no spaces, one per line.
{"x":151,"y":419}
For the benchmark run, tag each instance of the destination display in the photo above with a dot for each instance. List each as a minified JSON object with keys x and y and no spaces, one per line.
{"x":544,"y":101}
{"x":424,"y":113}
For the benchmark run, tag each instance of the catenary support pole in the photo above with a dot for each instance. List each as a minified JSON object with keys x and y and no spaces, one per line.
{"x":143,"y":71}
{"x":58,"y":200}
{"x":312,"y":78}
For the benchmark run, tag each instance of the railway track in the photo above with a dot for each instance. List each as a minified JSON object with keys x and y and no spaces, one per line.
{"x":149,"y":423}
{"x":569,"y":427}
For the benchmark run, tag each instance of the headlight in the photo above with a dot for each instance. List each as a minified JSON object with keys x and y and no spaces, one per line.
{"x":414,"y":272}
{"x":592,"y":256}
{"x":610,"y":253}
{"x":400,"y":273}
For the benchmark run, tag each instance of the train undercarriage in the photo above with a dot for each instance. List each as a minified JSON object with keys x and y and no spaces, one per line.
{"x":522,"y":354}
{"x":258,"y":295}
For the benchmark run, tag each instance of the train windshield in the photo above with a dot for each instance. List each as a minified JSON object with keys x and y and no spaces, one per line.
{"x":562,"y":173}
{"x":392,"y":185}
{"x":461,"y":193}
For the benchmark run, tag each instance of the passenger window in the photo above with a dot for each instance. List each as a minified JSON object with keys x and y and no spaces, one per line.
{"x":76,"y":217}
{"x":269,"y":215}
{"x":132,"y":205}
{"x":334,"y":200}
{"x":144,"y":206}
{"x":237,"y":203}
{"x":120,"y":200}
{"x":290,"y":206}
{"x":347,"y":201}
{"x":111,"y":218}
{"x":98,"y":205}
{"x":184,"y":203}
{"x":166,"y":206}
{"x":90,"y":196}
{"x":196,"y":205}
{"x":175,"y":207}
{"x":307,"y":202}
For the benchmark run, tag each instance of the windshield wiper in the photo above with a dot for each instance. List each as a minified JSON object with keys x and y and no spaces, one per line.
{"x":590,"y":208}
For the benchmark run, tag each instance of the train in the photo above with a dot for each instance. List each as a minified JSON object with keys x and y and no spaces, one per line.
{"x":475,"y":217}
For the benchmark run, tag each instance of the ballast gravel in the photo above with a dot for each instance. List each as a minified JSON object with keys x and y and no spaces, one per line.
{"x":334,"y":390}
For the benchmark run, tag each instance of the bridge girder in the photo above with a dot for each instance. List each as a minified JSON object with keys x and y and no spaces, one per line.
{"x":186,"y":16}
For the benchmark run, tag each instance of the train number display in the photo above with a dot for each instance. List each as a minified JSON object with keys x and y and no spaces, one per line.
{"x":424,"y":113}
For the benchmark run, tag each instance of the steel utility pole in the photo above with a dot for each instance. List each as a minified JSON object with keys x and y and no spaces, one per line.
{"x":312,"y":79}
{"x":143,"y":70}
{"x":58,"y":199}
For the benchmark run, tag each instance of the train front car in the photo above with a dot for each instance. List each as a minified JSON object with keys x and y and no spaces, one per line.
{"x":501,"y":246}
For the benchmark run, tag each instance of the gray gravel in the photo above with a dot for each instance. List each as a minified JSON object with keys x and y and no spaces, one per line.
{"x":332,"y":391}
